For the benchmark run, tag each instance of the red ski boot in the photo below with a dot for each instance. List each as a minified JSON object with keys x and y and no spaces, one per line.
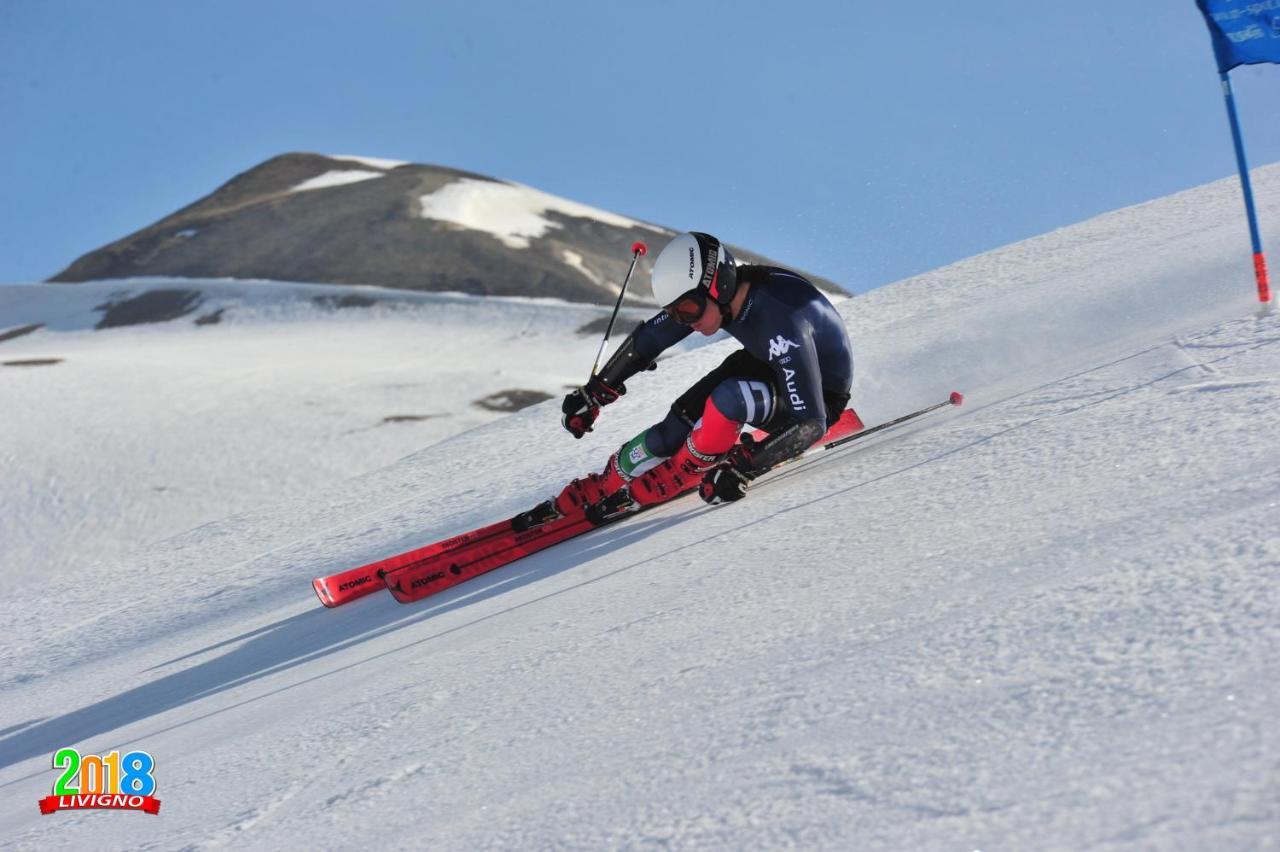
{"x":678,"y":474}
{"x":581,"y":493}
{"x":673,"y":477}
{"x":572,"y":500}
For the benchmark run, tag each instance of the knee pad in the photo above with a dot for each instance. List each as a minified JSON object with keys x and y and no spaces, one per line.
{"x":745,"y":400}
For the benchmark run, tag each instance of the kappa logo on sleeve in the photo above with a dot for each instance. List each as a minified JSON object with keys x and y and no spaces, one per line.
{"x":781,"y":346}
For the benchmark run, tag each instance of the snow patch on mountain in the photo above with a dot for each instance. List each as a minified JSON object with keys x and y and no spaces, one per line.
{"x":335,"y":178}
{"x":375,"y":162}
{"x":575,"y":260}
{"x":512,"y":213}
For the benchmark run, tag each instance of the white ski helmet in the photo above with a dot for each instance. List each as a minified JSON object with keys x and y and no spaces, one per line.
{"x":695,"y":261}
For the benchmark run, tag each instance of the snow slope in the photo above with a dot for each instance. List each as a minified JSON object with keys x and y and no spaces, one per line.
{"x":1044,"y":621}
{"x":140,"y":432}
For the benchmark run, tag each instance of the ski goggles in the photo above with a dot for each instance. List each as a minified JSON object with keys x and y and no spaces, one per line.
{"x":689,"y":307}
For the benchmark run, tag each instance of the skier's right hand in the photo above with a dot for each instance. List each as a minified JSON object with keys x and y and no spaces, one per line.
{"x":581,"y":406}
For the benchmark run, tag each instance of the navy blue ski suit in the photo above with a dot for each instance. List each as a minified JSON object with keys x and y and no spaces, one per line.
{"x":791,"y":378}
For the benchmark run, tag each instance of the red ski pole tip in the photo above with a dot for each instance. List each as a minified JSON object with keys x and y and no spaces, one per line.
{"x":639,"y":248}
{"x":957,"y":398}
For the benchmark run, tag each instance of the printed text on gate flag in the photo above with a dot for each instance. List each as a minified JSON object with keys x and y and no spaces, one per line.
{"x":1244,"y":32}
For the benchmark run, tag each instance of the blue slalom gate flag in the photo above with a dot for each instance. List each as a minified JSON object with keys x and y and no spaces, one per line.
{"x":1244,"y":32}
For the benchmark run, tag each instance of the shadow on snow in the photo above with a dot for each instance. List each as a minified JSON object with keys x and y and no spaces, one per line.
{"x":275,"y":648}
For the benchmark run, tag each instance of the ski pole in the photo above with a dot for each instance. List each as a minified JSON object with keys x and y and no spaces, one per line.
{"x":638,"y":250}
{"x":956,"y":398}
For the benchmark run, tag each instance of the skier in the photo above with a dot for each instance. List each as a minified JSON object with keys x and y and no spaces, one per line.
{"x":791,"y":378}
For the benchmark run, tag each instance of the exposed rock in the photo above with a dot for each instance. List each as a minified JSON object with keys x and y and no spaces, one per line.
{"x":512,"y":400}
{"x":151,"y":306}
{"x":409,"y":418}
{"x":20,"y":331}
{"x":211,"y":318}
{"x":349,"y":300}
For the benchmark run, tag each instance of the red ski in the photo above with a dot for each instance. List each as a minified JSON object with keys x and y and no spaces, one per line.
{"x":346,"y":586}
{"x":449,"y":568}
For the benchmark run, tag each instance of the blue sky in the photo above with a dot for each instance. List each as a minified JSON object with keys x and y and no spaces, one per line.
{"x":862,"y":141}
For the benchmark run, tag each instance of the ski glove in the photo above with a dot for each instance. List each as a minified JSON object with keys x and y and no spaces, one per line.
{"x":728,"y":481}
{"x":724,"y":484}
{"x":581,"y":406}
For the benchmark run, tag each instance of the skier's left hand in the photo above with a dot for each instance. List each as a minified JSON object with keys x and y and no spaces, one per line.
{"x":724,"y":484}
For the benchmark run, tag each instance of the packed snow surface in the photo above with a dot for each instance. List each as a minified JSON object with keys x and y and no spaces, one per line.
{"x":1044,"y":620}
{"x":513,"y":213}
{"x":120,"y":436}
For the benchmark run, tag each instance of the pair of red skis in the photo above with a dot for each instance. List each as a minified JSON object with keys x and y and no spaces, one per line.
{"x":418,"y":573}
